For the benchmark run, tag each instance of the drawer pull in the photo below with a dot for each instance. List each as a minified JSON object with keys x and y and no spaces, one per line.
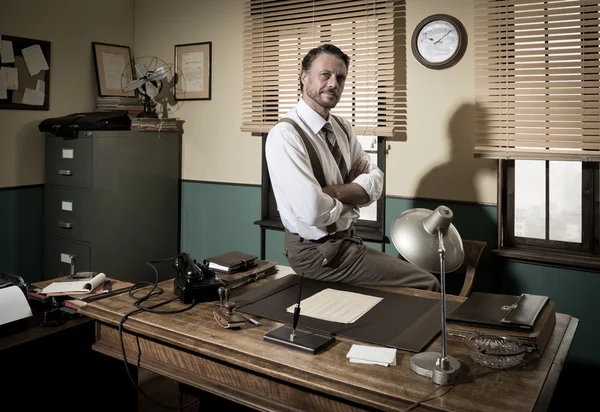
{"x":65,"y":172}
{"x":66,"y":225}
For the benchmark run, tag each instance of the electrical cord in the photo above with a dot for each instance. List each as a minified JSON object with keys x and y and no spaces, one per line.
{"x":430,"y":397}
{"x":154,"y":291}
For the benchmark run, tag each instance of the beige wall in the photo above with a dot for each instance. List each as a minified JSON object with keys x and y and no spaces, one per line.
{"x":71,"y":26}
{"x":435,"y":162}
{"x":214,"y":148}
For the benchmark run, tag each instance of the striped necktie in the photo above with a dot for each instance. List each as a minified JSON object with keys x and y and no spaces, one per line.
{"x":335,"y":149}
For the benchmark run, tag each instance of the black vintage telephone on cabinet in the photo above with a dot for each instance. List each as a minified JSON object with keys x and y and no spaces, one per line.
{"x":194,"y":281}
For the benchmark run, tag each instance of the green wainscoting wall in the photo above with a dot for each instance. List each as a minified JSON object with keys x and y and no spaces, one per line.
{"x":21,"y":212}
{"x":219,"y":217}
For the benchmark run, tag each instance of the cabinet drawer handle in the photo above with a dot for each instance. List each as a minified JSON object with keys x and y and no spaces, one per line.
{"x":65,"y":172}
{"x":66,"y":225}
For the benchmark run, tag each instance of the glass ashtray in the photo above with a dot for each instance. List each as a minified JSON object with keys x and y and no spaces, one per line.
{"x":493,"y":351}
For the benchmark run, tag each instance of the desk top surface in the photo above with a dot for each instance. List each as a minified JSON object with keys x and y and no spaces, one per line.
{"x":524,"y":388}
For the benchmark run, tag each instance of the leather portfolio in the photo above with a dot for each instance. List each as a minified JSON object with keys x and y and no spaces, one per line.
{"x":535,"y":339}
{"x":230,"y":262}
{"x":499,"y":311}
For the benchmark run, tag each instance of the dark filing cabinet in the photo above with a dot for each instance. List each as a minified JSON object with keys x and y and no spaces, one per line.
{"x":112,"y":199}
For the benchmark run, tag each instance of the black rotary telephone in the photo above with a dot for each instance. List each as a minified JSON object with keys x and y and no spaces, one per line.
{"x":195,"y":282}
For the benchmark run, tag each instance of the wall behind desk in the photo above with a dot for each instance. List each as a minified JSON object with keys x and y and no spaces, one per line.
{"x":70,"y":27}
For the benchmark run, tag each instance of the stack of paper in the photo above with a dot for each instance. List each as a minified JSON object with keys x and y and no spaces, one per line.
{"x":372,"y":355}
{"x":336,"y":305}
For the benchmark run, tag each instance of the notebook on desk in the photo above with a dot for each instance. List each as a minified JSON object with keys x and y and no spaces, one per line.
{"x":262,"y":268}
{"x":231,"y":262}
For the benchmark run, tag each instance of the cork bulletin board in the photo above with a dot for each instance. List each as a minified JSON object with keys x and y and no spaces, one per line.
{"x":24,"y":73}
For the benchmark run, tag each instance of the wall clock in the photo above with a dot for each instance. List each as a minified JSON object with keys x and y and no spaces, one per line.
{"x":439,"y":41}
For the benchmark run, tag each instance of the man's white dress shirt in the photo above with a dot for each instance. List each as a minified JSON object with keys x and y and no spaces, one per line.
{"x":303,"y":206}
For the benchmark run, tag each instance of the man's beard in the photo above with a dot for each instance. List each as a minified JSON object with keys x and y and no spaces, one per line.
{"x":328,"y":104}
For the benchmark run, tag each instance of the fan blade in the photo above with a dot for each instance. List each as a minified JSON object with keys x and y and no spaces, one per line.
{"x":151,"y":90}
{"x":133,"y":85}
{"x":141,"y":69}
{"x":158,"y":74}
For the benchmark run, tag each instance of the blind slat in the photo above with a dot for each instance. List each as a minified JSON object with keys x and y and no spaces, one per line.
{"x":278,"y":34}
{"x":537,"y":79}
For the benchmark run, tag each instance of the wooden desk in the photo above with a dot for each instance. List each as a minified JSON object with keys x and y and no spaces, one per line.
{"x":192,"y":348}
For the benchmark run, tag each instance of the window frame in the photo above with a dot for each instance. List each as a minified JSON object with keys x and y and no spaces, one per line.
{"x":584,"y":256}
{"x":367,"y":230}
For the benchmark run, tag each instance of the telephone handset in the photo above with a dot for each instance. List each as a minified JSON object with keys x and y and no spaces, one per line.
{"x":195,"y":282}
{"x":188,"y":267}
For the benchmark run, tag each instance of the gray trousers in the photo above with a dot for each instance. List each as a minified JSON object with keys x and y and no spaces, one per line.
{"x":346,"y":259}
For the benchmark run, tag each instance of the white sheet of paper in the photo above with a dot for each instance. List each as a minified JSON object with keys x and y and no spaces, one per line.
{"x":8,"y":55}
{"x":3,"y":93}
{"x":336,"y":305}
{"x":33,"y":97}
{"x":40,"y":86}
{"x":192,"y":66}
{"x":114,"y":66}
{"x":34,"y":59}
{"x":13,"y":305}
{"x":372,"y":355}
{"x":12,"y":78}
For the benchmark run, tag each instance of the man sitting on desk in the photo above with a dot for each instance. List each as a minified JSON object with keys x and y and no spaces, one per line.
{"x":313,"y":246}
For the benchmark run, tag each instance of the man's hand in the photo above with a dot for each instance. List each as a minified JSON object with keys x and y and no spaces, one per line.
{"x":360,"y":167}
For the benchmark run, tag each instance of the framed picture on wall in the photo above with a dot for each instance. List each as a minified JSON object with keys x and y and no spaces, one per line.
{"x":113,"y":69}
{"x":193,"y":65}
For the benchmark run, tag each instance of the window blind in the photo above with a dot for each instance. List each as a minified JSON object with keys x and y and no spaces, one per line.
{"x":279,"y":33}
{"x":537,"y":79}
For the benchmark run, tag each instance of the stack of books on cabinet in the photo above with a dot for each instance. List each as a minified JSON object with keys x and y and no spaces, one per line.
{"x":131,"y":104}
{"x":150,"y":124}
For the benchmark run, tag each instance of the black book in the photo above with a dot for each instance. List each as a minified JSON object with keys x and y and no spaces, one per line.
{"x":499,"y":311}
{"x":231,"y":262}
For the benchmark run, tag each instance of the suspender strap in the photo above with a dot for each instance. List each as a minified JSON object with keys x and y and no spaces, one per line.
{"x":314,"y":160}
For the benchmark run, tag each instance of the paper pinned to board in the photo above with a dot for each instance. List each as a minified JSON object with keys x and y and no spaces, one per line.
{"x":34,"y":59}
{"x":13,"y":305}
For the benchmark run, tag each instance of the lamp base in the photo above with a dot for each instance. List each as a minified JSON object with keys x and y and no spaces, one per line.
{"x":426,"y":364}
{"x":311,"y":342}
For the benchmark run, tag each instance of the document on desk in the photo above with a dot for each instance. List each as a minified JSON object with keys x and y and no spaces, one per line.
{"x":75,"y":286}
{"x":336,"y":305}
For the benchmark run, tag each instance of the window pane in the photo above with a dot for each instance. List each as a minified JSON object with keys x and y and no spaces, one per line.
{"x":530,"y":198}
{"x":565,"y":201}
{"x":369,"y":145}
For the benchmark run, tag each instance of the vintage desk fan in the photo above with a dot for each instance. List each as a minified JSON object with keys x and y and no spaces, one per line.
{"x":154,"y":80}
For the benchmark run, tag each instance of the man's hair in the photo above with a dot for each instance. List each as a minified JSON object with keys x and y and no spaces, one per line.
{"x":316,"y":52}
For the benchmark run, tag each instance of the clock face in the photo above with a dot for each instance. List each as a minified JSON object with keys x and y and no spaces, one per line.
{"x":437,"y":41}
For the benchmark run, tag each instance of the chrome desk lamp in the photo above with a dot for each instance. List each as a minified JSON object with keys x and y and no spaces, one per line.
{"x":428,"y":240}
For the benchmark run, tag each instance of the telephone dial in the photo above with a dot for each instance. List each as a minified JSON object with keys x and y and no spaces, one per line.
{"x":194,"y":281}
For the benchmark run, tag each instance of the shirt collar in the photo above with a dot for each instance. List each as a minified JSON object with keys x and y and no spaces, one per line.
{"x":312,"y":119}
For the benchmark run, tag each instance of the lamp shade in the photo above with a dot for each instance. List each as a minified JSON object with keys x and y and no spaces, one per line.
{"x":414,"y":233}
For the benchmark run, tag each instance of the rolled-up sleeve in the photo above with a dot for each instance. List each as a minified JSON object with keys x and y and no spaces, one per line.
{"x":294,"y":184}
